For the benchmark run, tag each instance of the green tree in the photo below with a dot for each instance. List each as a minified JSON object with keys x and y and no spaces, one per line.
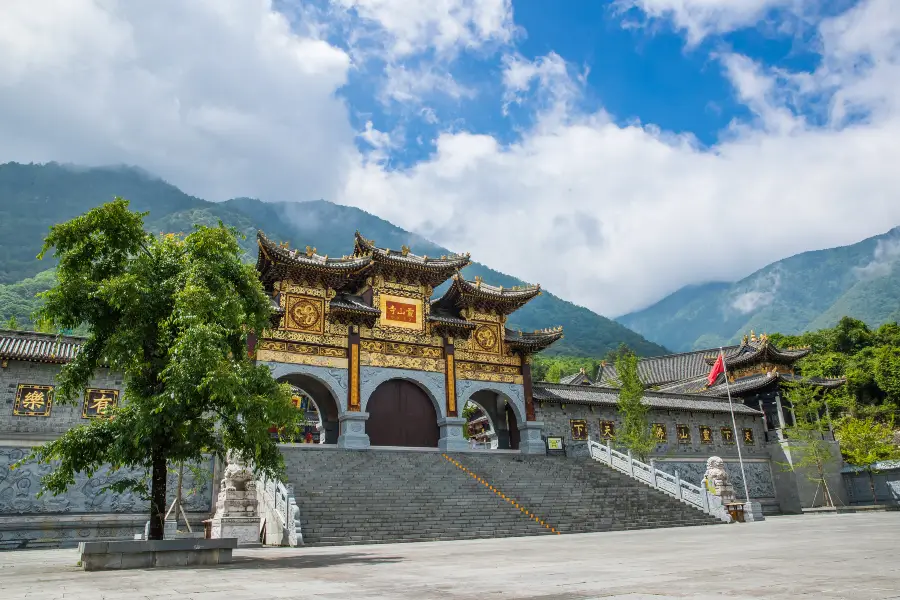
{"x":812,"y":454}
{"x":469,"y":411}
{"x":634,"y":432}
{"x":865,"y":442}
{"x":172,"y":314}
{"x":554,"y":373}
{"x":12,"y":323}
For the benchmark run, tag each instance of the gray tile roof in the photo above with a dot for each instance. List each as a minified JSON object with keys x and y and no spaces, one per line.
{"x":659,"y":370}
{"x":38,"y":347}
{"x":607,"y":396}
{"x":352,"y":303}
{"x":579,"y":378}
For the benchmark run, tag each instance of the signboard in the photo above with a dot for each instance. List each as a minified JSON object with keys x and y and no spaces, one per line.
{"x":554,"y":443}
{"x":607,"y":430}
{"x":748,"y":436}
{"x":97,"y":403}
{"x":397,"y":311}
{"x":705,"y":434}
{"x":684,"y":434}
{"x":579,"y":429}
{"x":33,"y":400}
{"x":659,"y":433}
{"x":727,"y":435}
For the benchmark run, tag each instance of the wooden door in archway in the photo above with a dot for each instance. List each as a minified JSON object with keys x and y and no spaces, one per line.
{"x":401,"y":414}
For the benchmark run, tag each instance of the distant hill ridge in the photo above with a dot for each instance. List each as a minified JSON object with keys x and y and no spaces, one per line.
{"x":33,"y":197}
{"x":805,"y":292}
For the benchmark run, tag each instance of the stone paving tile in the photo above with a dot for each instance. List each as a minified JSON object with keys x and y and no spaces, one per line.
{"x":852,"y":557}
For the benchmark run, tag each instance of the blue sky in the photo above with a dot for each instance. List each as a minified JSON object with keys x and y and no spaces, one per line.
{"x":611,"y":151}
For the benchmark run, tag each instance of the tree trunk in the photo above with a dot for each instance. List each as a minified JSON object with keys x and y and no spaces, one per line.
{"x":158,"y":496}
{"x":872,"y":486}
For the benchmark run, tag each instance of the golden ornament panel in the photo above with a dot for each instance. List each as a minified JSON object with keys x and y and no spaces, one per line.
{"x":372,"y":359}
{"x":401,"y":349}
{"x":462,"y":353}
{"x":301,"y":359}
{"x":466,"y":367}
{"x":486,"y":338}
{"x":310,"y":338}
{"x":493,"y":377}
{"x":305,"y":314}
{"x":296,"y":288}
{"x":309,"y":349}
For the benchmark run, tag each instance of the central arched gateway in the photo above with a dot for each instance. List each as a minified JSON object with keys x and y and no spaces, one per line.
{"x":401,"y":414}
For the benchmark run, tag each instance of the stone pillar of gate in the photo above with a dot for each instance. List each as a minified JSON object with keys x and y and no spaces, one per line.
{"x":501,"y":427}
{"x":530,"y":441}
{"x":452,"y":439}
{"x":353,"y":431}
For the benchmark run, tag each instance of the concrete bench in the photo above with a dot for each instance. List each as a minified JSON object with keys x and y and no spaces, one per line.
{"x":140,"y":554}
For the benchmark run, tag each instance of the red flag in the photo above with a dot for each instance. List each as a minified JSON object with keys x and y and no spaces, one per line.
{"x":717,"y":368}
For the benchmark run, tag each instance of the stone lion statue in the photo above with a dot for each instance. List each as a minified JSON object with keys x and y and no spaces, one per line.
{"x":716,"y":479}
{"x":237,"y":476}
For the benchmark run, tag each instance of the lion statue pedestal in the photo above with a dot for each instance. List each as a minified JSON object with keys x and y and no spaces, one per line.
{"x":237,"y":514}
{"x":717,"y":482}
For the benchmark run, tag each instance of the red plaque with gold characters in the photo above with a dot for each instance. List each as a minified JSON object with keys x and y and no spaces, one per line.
{"x":659,"y":432}
{"x":727,"y":435}
{"x":748,"y":436}
{"x":684,"y":434}
{"x":607,"y":430}
{"x":33,"y":400}
{"x":579,"y":429}
{"x":400,"y":311}
{"x":706,"y":435}
{"x":397,"y":311}
{"x":98,"y":403}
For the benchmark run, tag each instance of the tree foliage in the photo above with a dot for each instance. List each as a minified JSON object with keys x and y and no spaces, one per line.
{"x":634,"y":429}
{"x":172,"y":314}
{"x":869,"y":359}
{"x":865,"y":442}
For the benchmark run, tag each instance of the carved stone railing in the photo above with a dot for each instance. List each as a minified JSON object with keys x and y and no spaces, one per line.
{"x":280,"y":512}
{"x":693,"y":495}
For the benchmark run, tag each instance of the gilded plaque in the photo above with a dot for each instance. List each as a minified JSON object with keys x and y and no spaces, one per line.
{"x":579,"y":429}
{"x":684,"y":434}
{"x":304,"y":313}
{"x":705,"y":435}
{"x":487,"y":338}
{"x":33,"y":400}
{"x":397,"y":311}
{"x":659,"y":432}
{"x":607,"y":430}
{"x":748,"y":436}
{"x":727,"y":435}
{"x":97,"y":403}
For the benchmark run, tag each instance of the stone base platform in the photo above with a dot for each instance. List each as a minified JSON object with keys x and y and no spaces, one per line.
{"x":105,"y":556}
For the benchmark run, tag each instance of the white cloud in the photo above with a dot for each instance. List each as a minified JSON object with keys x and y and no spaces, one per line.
{"x":222,"y":99}
{"x":701,"y":18}
{"x":407,"y":28}
{"x":216,"y":96}
{"x":669,"y":213}
{"x":758,"y":293}
{"x":884,"y":258}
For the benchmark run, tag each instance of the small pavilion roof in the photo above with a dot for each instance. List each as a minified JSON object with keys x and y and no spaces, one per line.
{"x":530,"y":342}
{"x":278,"y":261}
{"x":579,"y":378}
{"x":761,"y":350}
{"x":464,"y":293}
{"x":430,"y":270}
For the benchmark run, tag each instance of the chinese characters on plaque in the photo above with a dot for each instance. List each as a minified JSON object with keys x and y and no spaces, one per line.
{"x":727,"y":435}
{"x":33,"y":400}
{"x":554,"y":443}
{"x":705,"y":435}
{"x":684,"y":434}
{"x":400,"y":311}
{"x":748,"y":436}
{"x":98,"y":403}
{"x":607,"y":430}
{"x":579,"y":429}
{"x":659,"y":432}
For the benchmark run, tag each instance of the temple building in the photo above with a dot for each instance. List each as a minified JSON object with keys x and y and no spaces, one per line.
{"x":757,"y":372}
{"x":387,"y":365}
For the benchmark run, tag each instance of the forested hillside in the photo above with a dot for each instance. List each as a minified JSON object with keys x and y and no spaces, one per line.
{"x":33,"y":197}
{"x":806,"y":292}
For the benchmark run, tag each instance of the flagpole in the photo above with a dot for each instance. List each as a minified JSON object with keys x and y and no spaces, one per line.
{"x":734,"y":424}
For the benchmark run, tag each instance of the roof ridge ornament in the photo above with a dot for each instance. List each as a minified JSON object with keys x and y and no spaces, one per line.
{"x":310,"y":251}
{"x":404,"y":250}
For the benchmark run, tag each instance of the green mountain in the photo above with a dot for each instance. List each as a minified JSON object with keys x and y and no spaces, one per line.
{"x":33,"y":197}
{"x":806,"y":292}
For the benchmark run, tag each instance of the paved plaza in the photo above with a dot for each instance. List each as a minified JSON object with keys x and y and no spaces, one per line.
{"x":852,"y":556}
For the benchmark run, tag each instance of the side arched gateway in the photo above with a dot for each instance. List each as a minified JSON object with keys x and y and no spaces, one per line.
{"x":401,"y":414}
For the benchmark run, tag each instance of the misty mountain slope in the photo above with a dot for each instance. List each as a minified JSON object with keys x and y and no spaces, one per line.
{"x":33,"y":197}
{"x":807,"y":291}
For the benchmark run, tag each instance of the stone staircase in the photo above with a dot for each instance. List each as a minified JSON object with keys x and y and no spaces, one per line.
{"x":375,"y":496}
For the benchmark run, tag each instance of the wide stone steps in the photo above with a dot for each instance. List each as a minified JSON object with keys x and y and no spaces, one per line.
{"x":375,"y":496}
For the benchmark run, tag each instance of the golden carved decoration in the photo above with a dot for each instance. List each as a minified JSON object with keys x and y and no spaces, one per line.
{"x":304,"y":313}
{"x":487,"y":338}
{"x":308,"y":349}
{"x":294,"y":288}
{"x":400,"y":349}
{"x":402,"y":362}
{"x":466,"y":367}
{"x":503,"y":359}
{"x":451,"y":385}
{"x":310,"y":338}
{"x":494,"y":377}
{"x":354,"y":377}
{"x":301,"y":359}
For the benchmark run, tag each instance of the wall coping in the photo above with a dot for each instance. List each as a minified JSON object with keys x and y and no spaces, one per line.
{"x":141,"y":546}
